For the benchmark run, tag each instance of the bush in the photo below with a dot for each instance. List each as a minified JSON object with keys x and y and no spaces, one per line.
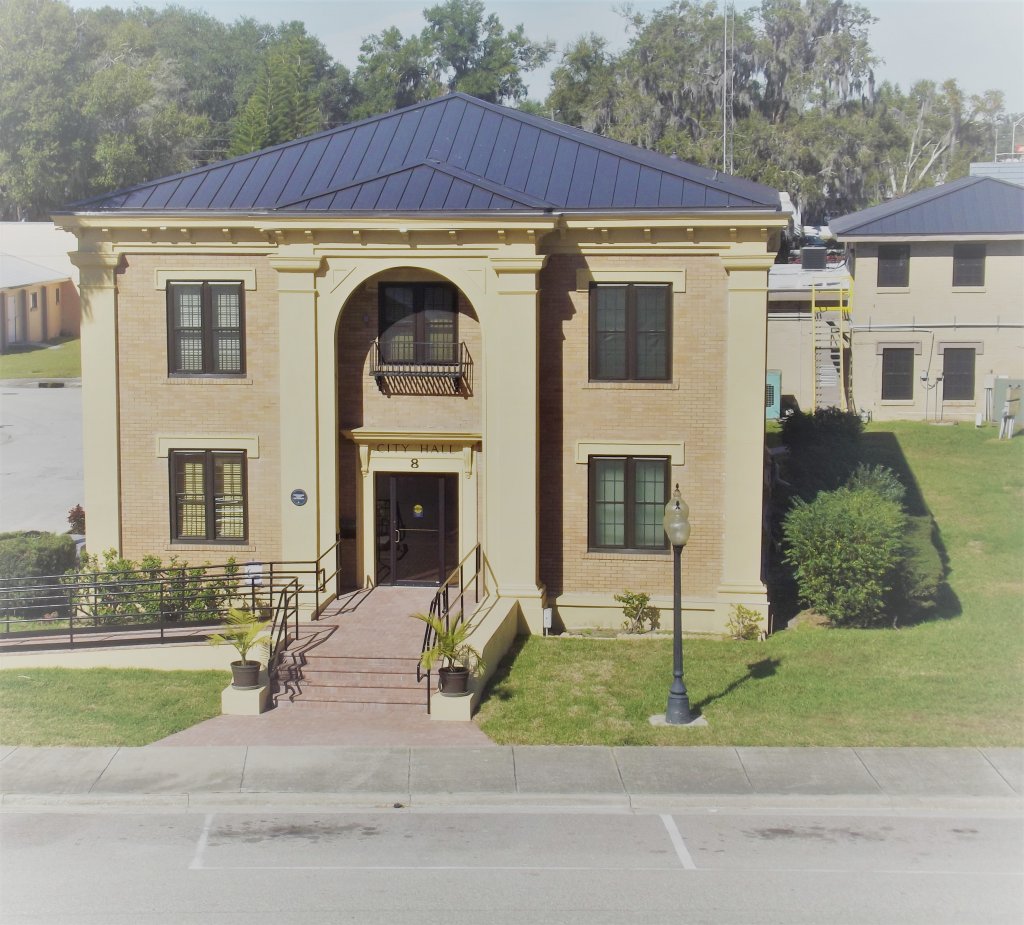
{"x":824,"y":449}
{"x":744,"y":623}
{"x":879,"y":479}
{"x":847,"y":548}
{"x":76,"y":520}
{"x":637,"y":609}
{"x":32,"y":554}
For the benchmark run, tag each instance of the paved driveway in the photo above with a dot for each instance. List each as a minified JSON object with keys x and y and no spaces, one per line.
{"x":40,"y":457}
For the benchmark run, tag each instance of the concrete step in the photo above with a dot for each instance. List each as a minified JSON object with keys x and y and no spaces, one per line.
{"x":317,"y":662}
{"x":398,"y":679}
{"x":416,"y":697}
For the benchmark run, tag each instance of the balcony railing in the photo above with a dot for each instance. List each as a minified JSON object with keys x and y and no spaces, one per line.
{"x":406,"y":360}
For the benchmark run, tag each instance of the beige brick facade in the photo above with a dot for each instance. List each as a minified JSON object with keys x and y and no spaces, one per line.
{"x":202,"y":411}
{"x":686,"y":410}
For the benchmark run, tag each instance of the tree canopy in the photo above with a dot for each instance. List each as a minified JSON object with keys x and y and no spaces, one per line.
{"x":785,"y":93}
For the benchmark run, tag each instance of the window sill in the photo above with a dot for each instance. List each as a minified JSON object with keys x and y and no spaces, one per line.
{"x":968,"y":289}
{"x":958,"y":402}
{"x":629,"y":386}
{"x":891,"y":290}
{"x":197,"y":546}
{"x":891,"y":402}
{"x":209,"y":380}
{"x":633,"y":555}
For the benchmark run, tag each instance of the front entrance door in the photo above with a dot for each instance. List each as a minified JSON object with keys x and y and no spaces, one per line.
{"x":417,"y":528}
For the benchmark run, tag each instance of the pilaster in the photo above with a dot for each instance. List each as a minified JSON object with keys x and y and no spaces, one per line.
{"x":300,"y":470}
{"x":101,"y":449}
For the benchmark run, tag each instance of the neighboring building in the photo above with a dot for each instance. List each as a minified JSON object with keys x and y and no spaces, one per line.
{"x":38,"y":285}
{"x":1011,"y":170}
{"x":808,"y":347}
{"x":938,"y":305}
{"x":455,"y":324}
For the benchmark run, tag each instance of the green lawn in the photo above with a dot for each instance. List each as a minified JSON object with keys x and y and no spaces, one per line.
{"x":103,"y":706}
{"x":957,"y":679}
{"x":60,"y":360}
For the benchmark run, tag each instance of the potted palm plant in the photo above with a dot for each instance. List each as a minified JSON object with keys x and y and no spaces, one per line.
{"x":456,"y":659}
{"x":245,"y":633}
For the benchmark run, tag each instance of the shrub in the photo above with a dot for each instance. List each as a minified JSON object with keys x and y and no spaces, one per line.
{"x":824,"y":449}
{"x":846,"y":548}
{"x":76,"y":519}
{"x":879,"y":479}
{"x":744,"y":623}
{"x":32,"y":554}
{"x":636,"y":608}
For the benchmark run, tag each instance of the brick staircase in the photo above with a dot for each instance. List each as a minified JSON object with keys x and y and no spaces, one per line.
{"x":363,"y":650}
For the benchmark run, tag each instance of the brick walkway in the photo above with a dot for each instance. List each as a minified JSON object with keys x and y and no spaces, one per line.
{"x":373,"y":625}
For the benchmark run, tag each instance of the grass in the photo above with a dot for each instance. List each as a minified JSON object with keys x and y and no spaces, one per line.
{"x":957,"y":679}
{"x":103,"y":706}
{"x":60,"y":360}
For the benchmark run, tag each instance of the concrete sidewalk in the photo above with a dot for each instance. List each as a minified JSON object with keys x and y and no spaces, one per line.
{"x":225,"y":777}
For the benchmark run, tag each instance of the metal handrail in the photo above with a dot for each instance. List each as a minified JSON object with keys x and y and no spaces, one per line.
{"x":441,"y":607}
{"x":287,"y":606}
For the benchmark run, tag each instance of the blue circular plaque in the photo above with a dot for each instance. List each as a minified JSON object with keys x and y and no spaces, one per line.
{"x":299,"y":497}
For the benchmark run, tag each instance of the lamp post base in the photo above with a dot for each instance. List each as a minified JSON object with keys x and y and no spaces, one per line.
{"x":659,"y":720}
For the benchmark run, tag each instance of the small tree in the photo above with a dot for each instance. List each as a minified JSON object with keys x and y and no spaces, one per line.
{"x":846,"y":548}
{"x":636,"y":608}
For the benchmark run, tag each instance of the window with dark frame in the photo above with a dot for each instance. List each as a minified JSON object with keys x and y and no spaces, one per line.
{"x":958,"y":374}
{"x":893,"y":265}
{"x":418,"y":323}
{"x":630,"y":332}
{"x":206,"y":329}
{"x":968,"y":264}
{"x":628,"y":495}
{"x":208,"y":496}
{"x":898,"y":373}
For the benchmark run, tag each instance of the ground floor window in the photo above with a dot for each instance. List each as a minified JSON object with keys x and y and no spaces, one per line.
{"x":208,"y":496}
{"x":898,"y":373}
{"x":958,"y":374}
{"x":627,"y":501}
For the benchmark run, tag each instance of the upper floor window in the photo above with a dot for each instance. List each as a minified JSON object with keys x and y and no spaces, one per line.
{"x":893,"y":265}
{"x":627,"y":501}
{"x":898,"y":373}
{"x":206,"y":329}
{"x":208,"y":496}
{"x":56,"y":295}
{"x":418,"y":323}
{"x":968,"y":264}
{"x":630,"y":332}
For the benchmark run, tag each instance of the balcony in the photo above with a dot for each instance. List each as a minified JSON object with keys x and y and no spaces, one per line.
{"x":400,"y":362}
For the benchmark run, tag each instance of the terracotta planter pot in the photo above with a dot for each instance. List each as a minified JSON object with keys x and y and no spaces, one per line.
{"x":454,"y":680}
{"x":245,"y":675}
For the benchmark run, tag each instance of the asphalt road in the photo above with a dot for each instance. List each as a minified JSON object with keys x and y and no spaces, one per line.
{"x":532,"y":865}
{"x":40,"y":457}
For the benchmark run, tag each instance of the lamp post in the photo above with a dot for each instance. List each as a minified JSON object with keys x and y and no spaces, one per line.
{"x":677,"y":529}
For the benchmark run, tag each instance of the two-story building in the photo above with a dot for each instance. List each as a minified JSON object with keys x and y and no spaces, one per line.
{"x":451,"y":326}
{"x":938,"y":305}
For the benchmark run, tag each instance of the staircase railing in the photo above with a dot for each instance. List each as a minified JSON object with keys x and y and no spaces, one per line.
{"x":444,"y":602}
{"x":286,"y":608}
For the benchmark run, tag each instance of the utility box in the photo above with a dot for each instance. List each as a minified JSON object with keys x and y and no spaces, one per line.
{"x":1005,"y":389}
{"x":773,"y":394}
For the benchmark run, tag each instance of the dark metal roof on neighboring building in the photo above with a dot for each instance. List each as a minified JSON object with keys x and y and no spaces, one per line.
{"x":452,"y":154}
{"x":969,"y":206}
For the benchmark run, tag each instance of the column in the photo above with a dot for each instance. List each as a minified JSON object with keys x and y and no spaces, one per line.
{"x":746,"y":338}
{"x":101,"y":449}
{"x":297,"y":307}
{"x":510,"y":433}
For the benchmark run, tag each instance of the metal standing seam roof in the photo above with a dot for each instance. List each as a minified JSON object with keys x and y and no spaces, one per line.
{"x":451,"y":154}
{"x":969,"y":206}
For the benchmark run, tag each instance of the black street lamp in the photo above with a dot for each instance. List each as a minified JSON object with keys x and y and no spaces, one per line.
{"x":677,"y":529}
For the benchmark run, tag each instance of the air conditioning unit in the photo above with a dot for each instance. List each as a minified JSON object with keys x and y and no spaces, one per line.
{"x":812,"y":258}
{"x":773,"y":394}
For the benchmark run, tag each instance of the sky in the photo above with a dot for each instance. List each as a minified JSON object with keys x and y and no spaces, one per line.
{"x":978,"y":42}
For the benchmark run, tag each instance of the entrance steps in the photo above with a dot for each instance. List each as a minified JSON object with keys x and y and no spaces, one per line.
{"x":363,"y":650}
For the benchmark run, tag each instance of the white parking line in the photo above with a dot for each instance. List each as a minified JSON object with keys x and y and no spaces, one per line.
{"x":204,"y":837}
{"x":678,"y":843}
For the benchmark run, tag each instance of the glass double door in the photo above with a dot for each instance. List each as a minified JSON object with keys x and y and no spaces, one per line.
{"x":416,"y":527}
